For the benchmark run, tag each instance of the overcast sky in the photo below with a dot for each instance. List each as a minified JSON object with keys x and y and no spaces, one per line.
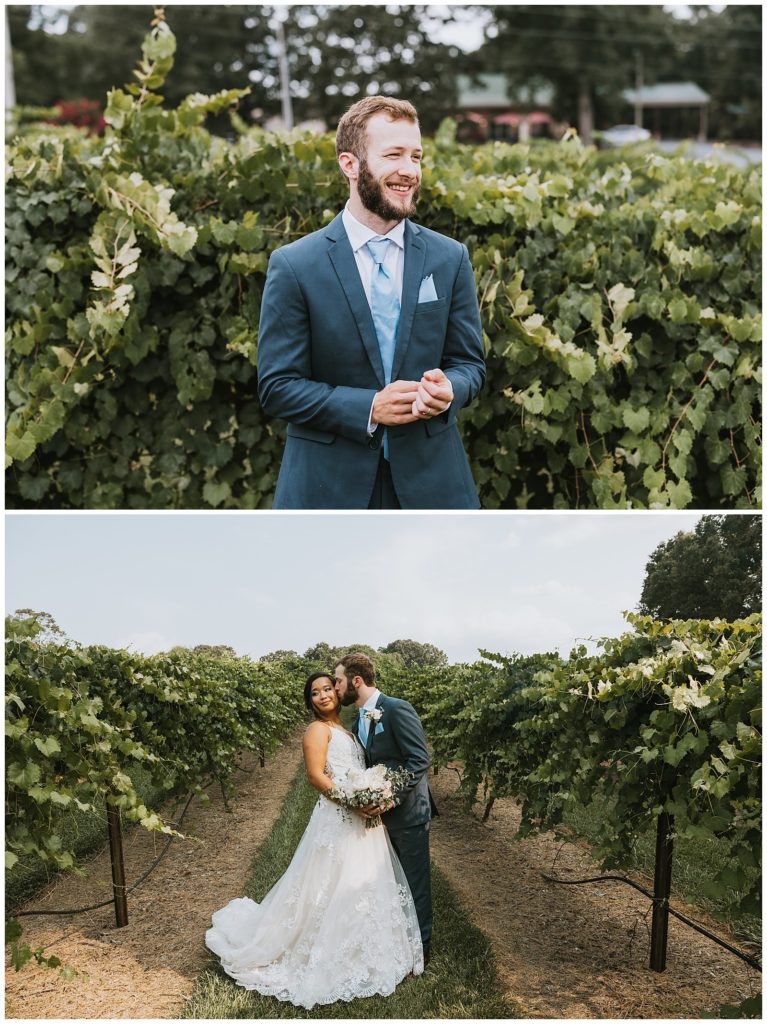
{"x":504,"y":582}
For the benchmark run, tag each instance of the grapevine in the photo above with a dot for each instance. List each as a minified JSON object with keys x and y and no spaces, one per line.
{"x":620,"y":302}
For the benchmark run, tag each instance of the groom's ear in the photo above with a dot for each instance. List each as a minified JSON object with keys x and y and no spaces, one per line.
{"x":349,"y":165}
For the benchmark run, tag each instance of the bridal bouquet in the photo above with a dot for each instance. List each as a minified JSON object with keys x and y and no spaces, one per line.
{"x":364,"y":786}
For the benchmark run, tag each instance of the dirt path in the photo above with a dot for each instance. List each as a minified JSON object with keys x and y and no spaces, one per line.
{"x":567,"y":951}
{"x":148,"y":968}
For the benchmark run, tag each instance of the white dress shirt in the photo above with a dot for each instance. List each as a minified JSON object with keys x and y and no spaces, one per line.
{"x":394,"y":263}
{"x":359,"y":235}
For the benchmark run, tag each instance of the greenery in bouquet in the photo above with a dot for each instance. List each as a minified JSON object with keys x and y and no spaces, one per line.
{"x":365,"y":787}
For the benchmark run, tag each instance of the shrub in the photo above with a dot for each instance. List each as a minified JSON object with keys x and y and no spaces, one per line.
{"x":619,"y":295}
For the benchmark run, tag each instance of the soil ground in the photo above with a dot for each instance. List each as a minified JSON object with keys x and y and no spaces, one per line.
{"x":148,"y":968}
{"x":574,"y":951}
{"x":562,"y":951}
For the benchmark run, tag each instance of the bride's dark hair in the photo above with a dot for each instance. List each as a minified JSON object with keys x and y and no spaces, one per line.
{"x":308,"y":690}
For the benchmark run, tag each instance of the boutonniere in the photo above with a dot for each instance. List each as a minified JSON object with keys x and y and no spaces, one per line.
{"x":375,"y":715}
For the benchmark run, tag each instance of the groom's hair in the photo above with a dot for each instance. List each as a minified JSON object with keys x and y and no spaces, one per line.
{"x":358,"y":664}
{"x":351,"y":134}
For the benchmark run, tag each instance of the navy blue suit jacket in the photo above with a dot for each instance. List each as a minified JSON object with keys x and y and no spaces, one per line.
{"x":398,"y":741}
{"x":319,"y":366}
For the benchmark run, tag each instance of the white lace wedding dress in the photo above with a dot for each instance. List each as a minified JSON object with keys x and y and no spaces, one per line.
{"x":339,"y":924}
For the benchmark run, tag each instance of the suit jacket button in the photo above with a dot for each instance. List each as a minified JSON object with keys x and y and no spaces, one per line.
{"x":373,"y":445}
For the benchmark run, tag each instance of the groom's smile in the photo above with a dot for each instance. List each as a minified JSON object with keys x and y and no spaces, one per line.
{"x":389,"y":171}
{"x":392,"y":199}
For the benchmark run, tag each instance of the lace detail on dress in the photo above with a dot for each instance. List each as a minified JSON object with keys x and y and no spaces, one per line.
{"x":343,"y":901}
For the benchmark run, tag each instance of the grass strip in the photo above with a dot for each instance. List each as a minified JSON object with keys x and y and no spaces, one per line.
{"x":460,"y":982}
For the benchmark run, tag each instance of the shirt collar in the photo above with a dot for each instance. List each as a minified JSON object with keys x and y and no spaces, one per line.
{"x":370,"y":703}
{"x":360,"y":234}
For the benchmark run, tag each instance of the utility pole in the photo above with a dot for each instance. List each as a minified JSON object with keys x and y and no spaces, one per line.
{"x":282,"y":53}
{"x":10,"y":92}
{"x":639,"y":86}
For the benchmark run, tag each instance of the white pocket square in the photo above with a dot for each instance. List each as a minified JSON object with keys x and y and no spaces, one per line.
{"x":427,"y":291}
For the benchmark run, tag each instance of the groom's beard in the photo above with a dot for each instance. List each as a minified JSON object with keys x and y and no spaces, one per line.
{"x":373,"y":197}
{"x":350,"y":697}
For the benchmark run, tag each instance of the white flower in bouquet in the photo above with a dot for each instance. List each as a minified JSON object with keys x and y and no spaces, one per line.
{"x":363,"y":787}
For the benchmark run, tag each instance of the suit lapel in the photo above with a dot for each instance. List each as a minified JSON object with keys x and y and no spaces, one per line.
{"x":415,"y":258}
{"x":345,"y":265}
{"x":371,"y":733}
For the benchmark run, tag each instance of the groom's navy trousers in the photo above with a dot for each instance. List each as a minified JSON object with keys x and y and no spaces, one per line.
{"x":320,"y":366}
{"x":412,"y":847}
{"x":398,"y":741}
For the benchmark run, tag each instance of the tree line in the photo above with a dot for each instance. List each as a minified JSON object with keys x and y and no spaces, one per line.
{"x":337,"y":54}
{"x":713,"y":571}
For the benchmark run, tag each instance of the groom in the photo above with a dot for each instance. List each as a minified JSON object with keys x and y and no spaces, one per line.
{"x":391,"y":733}
{"x":370,"y":340}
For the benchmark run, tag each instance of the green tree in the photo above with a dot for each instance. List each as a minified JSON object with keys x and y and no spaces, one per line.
{"x":340,"y":54}
{"x":215,"y":650}
{"x":40,"y":55}
{"x":336,"y":55}
{"x":724,"y":57}
{"x":95,"y":52}
{"x":588,"y":54}
{"x":371,"y":652}
{"x":41,"y":627}
{"x":320,"y":652}
{"x":713,"y":571}
{"x":280,"y":656}
{"x":417,"y":655}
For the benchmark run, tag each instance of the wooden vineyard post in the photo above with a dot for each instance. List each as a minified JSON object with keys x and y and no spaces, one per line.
{"x":661,"y":892}
{"x":118,"y":865}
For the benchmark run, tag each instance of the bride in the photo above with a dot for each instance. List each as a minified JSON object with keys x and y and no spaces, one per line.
{"x":340,"y":923}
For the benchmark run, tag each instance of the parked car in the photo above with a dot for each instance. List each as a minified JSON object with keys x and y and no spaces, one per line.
{"x":623,"y":135}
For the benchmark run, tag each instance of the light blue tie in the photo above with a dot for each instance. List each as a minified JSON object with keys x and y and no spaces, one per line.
{"x":362,"y":731}
{"x":385,"y":307}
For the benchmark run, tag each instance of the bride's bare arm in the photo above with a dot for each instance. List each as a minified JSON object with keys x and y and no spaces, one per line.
{"x":316,"y":740}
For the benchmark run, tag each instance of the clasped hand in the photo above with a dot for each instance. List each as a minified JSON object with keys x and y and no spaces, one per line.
{"x":372,"y":810}
{"x":406,"y":401}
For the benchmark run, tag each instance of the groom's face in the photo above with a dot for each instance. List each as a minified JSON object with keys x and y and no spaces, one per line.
{"x":389,"y":177}
{"x":344,"y":687}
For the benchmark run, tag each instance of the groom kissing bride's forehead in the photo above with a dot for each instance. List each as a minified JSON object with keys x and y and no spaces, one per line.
{"x":370,"y":341}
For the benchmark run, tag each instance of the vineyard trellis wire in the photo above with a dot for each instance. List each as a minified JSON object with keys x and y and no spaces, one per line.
{"x":116,"y":886}
{"x":663,"y":724}
{"x":663,"y":903}
{"x":115,"y":845}
{"x":78,"y":719}
{"x":664,"y":721}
